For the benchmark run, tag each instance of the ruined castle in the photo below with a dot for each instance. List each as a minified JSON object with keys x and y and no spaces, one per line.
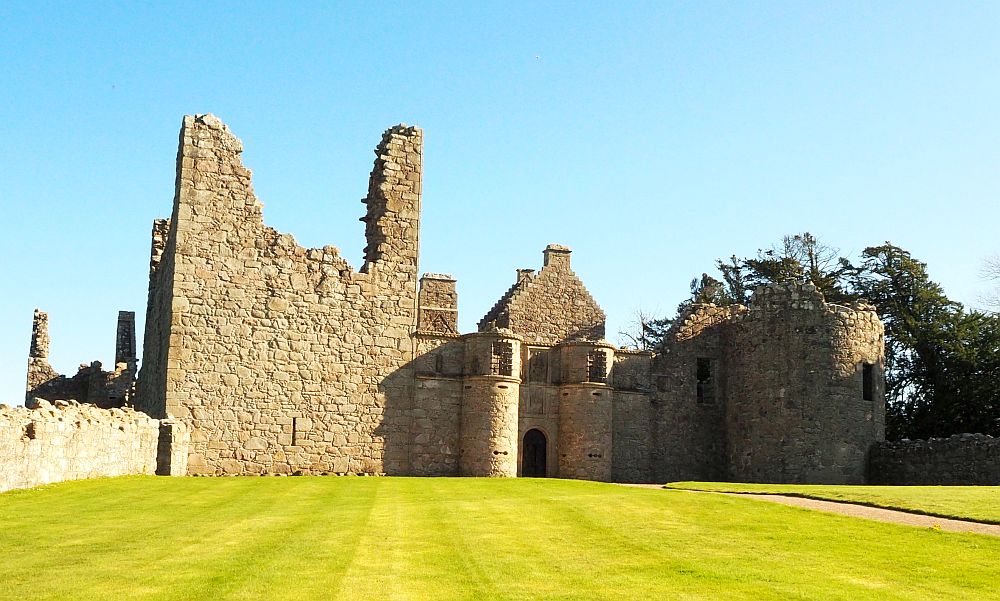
{"x":273,"y":358}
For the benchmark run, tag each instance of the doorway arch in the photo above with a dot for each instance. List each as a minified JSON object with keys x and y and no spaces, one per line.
{"x":534,"y":452}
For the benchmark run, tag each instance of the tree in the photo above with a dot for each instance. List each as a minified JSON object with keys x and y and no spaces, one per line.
{"x":991,"y":273}
{"x":940,"y":361}
{"x":645,"y":332}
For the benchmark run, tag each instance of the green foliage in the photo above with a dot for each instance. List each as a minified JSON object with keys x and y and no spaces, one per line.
{"x":942,"y":364}
{"x":976,"y":503}
{"x":941,"y":361}
{"x":457,"y":538}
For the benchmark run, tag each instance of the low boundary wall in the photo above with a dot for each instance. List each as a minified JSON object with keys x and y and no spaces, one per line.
{"x":970,"y":459}
{"x":64,"y":440}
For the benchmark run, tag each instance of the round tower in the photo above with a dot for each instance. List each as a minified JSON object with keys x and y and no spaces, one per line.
{"x":491,"y":388}
{"x":585,"y":410}
{"x":806,"y":399}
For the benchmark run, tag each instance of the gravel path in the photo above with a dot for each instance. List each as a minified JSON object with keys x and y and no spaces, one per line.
{"x":864,"y":512}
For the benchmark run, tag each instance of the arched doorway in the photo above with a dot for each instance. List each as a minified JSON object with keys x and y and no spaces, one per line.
{"x":533,"y":454}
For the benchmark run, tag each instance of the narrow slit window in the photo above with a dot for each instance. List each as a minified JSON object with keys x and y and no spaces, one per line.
{"x":295,"y":431}
{"x":705,"y":382}
{"x":867,"y":381}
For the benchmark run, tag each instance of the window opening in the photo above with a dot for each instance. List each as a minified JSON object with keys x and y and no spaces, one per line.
{"x":597,"y":367}
{"x":706,"y":385}
{"x":867,"y":381}
{"x":503,"y":358}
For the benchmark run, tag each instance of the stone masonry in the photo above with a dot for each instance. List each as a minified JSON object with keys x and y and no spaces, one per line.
{"x":274,"y":358}
{"x":52,"y":442}
{"x":91,"y":384}
{"x":966,"y":459}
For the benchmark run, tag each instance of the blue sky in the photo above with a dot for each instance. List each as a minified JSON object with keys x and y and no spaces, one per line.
{"x":652,"y":138}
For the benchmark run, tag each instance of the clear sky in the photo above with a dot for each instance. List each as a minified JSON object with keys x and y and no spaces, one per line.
{"x":652,"y":138}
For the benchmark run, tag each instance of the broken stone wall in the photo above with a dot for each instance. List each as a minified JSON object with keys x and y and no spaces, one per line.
{"x":689,"y":376}
{"x":279,"y":358}
{"x":68,"y":441}
{"x":795,"y":371}
{"x":91,"y":384}
{"x":962,"y":459}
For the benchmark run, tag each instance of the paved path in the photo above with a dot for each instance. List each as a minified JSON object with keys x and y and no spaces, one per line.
{"x":864,"y":511}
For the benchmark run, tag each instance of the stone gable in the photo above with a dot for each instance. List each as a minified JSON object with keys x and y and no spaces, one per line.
{"x":550,"y":306}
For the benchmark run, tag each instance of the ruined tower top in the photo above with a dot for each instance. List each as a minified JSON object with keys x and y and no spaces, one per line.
{"x":125,"y":339}
{"x":39,"y":335}
{"x":393,"y":201}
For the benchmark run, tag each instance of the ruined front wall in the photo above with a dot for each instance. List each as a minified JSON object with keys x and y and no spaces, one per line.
{"x":68,"y":441}
{"x":280,"y":358}
{"x":798,"y":409}
{"x":689,"y":378}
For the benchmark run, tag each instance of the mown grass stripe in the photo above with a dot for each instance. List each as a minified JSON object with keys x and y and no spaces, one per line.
{"x":412,"y":538}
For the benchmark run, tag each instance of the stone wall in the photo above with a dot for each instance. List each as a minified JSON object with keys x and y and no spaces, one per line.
{"x":796,"y":409}
{"x":279,"y":358}
{"x":550,"y":306}
{"x":688,"y":436}
{"x":963,"y":459}
{"x":52,"y":442}
{"x":274,"y":358}
{"x":91,"y":384}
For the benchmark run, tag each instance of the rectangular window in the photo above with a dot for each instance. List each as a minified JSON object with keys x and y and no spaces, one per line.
{"x":538,"y":366}
{"x":503,"y":358}
{"x":705,"y":383}
{"x":597,"y":367}
{"x":868,"y":381}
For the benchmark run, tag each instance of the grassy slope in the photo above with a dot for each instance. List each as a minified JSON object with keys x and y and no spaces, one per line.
{"x":399,"y":538}
{"x":979,"y":503}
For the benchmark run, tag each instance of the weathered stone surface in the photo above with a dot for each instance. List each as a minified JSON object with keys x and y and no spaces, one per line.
{"x":91,"y":384}
{"x":65,"y":440}
{"x":250,"y":336}
{"x":962,"y":459}
{"x":550,"y":306}
{"x":264,"y":357}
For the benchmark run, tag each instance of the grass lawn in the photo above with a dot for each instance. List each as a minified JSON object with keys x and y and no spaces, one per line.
{"x":422,"y":538}
{"x":979,"y":503}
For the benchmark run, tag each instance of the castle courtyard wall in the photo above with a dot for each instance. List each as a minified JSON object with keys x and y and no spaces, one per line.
{"x":65,"y":440}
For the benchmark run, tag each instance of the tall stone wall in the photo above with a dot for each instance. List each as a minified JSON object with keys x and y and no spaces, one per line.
{"x":796,"y":409}
{"x":151,"y":385}
{"x":963,"y":459}
{"x":281,"y":358}
{"x":435,"y":415}
{"x":632,"y":416}
{"x":68,"y":441}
